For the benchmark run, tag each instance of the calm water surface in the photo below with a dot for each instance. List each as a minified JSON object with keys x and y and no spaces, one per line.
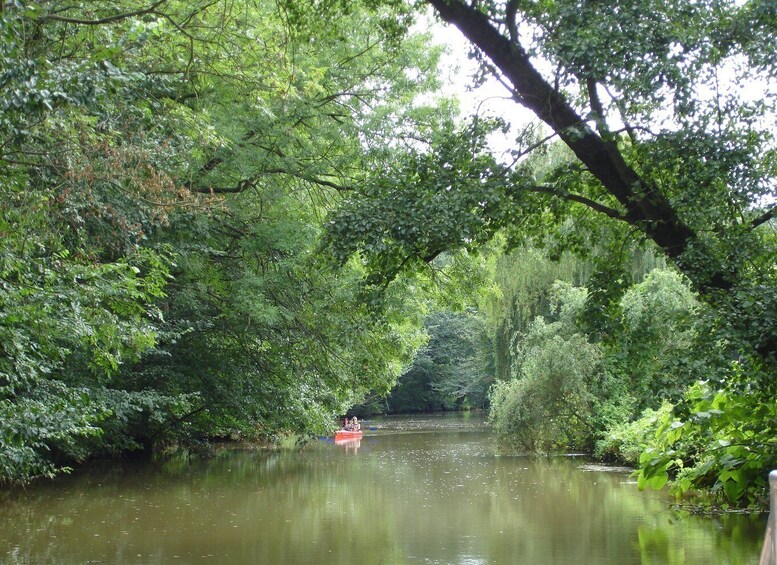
{"x":426,"y":490}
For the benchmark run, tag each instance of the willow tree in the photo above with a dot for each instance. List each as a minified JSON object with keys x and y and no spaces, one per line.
{"x":668,"y":109}
{"x":657,"y":101}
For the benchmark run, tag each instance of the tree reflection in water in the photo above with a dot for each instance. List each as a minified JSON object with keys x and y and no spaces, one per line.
{"x":415,"y":490}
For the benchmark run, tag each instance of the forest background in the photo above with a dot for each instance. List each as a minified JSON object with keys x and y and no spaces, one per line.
{"x":242,"y":218}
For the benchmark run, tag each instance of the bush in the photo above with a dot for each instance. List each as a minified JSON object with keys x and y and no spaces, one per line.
{"x":625,"y":442}
{"x":717,"y":441}
{"x":549,"y":406}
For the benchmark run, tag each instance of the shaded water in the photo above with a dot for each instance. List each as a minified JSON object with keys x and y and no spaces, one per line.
{"x":426,"y":490}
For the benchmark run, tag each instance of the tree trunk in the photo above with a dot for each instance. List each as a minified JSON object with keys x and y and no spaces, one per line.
{"x":646,"y":208}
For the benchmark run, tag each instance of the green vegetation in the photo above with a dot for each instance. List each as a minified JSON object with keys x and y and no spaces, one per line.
{"x":165,"y":169}
{"x":241,"y":219}
{"x":667,"y":154}
{"x":451,"y":372}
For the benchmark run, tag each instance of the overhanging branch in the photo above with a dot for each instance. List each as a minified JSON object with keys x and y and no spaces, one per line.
{"x":643,"y":203}
{"x":106,"y":20}
{"x":593,"y":204}
{"x":763,"y":218}
{"x":311,"y":179}
{"x":251,"y":182}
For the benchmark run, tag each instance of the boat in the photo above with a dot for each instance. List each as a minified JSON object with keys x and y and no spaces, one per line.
{"x":347,"y":435}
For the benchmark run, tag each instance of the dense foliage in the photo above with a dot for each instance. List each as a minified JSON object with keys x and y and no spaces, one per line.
{"x":637,"y":393}
{"x":164,"y":169}
{"x":177,"y":180}
{"x":667,"y":145}
{"x":452,"y":371}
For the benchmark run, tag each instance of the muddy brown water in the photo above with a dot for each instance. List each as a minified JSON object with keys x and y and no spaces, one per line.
{"x":421,"y":489}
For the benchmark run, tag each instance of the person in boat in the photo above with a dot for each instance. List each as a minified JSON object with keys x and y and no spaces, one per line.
{"x":352,"y":425}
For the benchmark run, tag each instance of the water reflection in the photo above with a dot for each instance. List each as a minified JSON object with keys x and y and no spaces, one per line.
{"x":349,"y":445}
{"x":414,"y":490}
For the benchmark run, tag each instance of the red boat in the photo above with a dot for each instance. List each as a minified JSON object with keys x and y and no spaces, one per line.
{"x":346,"y":435}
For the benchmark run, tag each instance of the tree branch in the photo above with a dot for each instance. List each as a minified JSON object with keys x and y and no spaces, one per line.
{"x":763,"y":218}
{"x":106,"y":20}
{"x":597,"y":110}
{"x":241,"y":186}
{"x":644,"y":204}
{"x":311,"y":179}
{"x":532,"y":147}
{"x":250,"y":182}
{"x":593,"y":204}
{"x":510,"y":11}
{"x":628,"y":128}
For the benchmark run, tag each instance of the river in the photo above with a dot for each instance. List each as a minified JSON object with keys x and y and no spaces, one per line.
{"x":421,"y":489}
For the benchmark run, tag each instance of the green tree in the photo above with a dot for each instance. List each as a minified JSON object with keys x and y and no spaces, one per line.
{"x":201,"y":141}
{"x":627,"y":63}
{"x":451,"y":371}
{"x":525,"y":278}
{"x":548,"y":404}
{"x":653,"y":101}
{"x":688,"y":164}
{"x":271,"y":341}
{"x":78,"y":293}
{"x":660,"y":327}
